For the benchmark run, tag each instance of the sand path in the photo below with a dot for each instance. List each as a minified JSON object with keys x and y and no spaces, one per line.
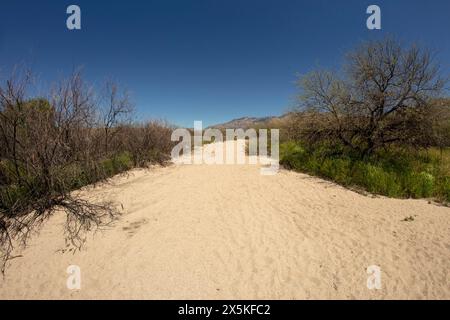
{"x":228,"y":232}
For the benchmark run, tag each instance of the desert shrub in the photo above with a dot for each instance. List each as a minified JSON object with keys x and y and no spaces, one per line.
{"x":12,"y":195}
{"x":147,"y":143}
{"x":391,"y":172}
{"x":76,"y":176}
{"x":379,"y":181}
{"x":421,"y":185}
{"x":443,"y":189}
{"x":385,"y":95}
{"x":51,"y":145}
{"x":116,"y":164}
{"x":339,"y":171}
{"x":292,"y":155}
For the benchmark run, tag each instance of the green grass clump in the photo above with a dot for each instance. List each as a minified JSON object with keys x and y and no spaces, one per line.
{"x":421,"y":185}
{"x":393,"y":173}
{"x":116,"y":164}
{"x":444,"y":189}
{"x":377,"y":179}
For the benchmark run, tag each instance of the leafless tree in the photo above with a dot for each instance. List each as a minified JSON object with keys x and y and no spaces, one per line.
{"x":66,"y":139}
{"x":40,"y":146}
{"x":117,"y":109}
{"x":383,"y":97}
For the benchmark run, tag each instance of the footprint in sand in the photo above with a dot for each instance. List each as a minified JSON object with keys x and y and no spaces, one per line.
{"x":134,"y":226}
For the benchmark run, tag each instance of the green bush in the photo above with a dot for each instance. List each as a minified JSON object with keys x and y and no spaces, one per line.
{"x":421,"y":185}
{"x":444,"y":189}
{"x":12,"y":195}
{"x":336,"y":169}
{"x":74,"y":176}
{"x":394,"y":173}
{"x":292,"y":155}
{"x":65,"y":179}
{"x":379,"y":181}
{"x":122,"y":162}
{"x":117,"y":164}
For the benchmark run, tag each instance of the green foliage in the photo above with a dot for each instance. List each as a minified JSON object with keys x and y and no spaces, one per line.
{"x":12,"y":195}
{"x":377,"y":180}
{"x":65,"y":179}
{"x":292,"y":155}
{"x":393,"y":173}
{"x":117,"y":164}
{"x":444,"y":189}
{"x":421,"y":185}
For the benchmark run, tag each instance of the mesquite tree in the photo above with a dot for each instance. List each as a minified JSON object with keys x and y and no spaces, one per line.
{"x":382,"y":97}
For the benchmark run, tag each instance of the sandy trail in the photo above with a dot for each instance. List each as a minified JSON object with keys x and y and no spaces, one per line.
{"x":228,"y":232}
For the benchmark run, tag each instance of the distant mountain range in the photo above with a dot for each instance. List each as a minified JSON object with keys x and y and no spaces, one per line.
{"x":250,"y":122}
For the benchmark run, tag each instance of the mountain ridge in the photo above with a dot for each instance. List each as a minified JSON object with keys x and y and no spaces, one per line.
{"x":248,"y":122}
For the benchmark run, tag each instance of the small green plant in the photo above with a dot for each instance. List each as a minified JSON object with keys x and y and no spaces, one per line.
{"x":422,"y":185}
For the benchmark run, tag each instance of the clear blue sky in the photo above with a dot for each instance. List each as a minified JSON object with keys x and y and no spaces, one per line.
{"x":210,"y":60}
